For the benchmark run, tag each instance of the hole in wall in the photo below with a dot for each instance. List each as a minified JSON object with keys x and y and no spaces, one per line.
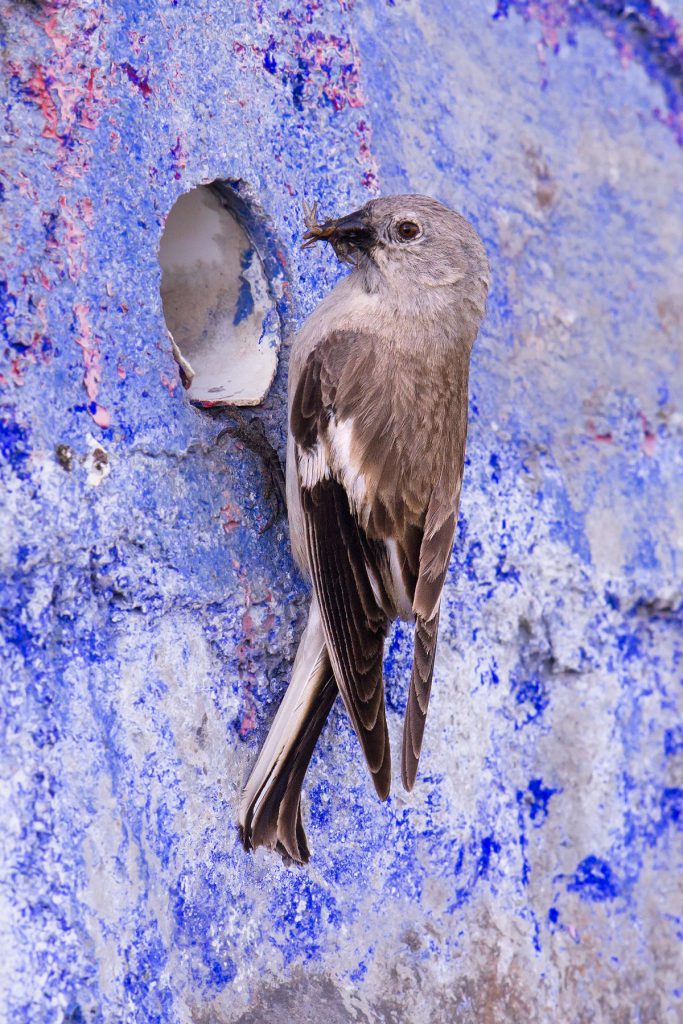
{"x":217,"y":300}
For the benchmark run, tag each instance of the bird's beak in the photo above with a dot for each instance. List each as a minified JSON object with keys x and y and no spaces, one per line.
{"x":344,"y":233}
{"x":353,"y":230}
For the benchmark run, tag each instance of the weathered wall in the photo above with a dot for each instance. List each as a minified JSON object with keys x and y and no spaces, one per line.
{"x":148,"y":630}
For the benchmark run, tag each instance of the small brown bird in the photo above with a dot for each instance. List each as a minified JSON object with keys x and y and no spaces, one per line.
{"x":377,"y":425}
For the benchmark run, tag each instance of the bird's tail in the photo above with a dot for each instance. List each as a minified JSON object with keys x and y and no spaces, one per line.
{"x":270,"y":810}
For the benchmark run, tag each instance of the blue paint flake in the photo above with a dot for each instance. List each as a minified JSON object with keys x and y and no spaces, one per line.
{"x":537,"y":799}
{"x":531,"y":695}
{"x":673,"y":741}
{"x":269,"y":61}
{"x":489,"y":847}
{"x":672,"y":807}
{"x":245,"y":300}
{"x":15,"y":449}
{"x":594,"y":881}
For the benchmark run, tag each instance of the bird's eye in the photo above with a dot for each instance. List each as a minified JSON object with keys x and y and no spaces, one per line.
{"x":408,"y":229}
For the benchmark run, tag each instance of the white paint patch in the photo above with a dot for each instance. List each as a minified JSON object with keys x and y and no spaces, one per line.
{"x":96,"y":463}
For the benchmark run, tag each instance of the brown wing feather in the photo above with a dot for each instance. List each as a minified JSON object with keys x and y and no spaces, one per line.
{"x":418,"y":697}
{"x":435,"y":553}
{"x":339,"y":554}
{"x":353,"y":624}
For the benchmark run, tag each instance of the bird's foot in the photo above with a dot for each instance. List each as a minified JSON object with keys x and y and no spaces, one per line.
{"x":252,"y":434}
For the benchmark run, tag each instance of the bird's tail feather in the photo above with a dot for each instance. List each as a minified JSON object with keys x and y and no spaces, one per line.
{"x":270,"y":811}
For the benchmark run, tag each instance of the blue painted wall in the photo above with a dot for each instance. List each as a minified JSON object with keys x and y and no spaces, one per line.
{"x":148,"y":630}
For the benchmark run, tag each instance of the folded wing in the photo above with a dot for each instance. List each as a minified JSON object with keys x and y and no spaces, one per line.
{"x":435,"y":553}
{"x":342,"y":561}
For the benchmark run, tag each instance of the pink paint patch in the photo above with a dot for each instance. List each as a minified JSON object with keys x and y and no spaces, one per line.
{"x":231,"y":517}
{"x":65,"y":85}
{"x":73,"y":237}
{"x":65,"y":88}
{"x":138,"y":78}
{"x":38,"y":89}
{"x":169,"y":383}
{"x":26,"y":187}
{"x":92,"y":360}
{"x":60,"y":40}
{"x":88,"y":117}
{"x":605,"y":437}
{"x":248,"y":722}
{"x":100,"y":415}
{"x":15,"y":372}
{"x":178,"y":159}
{"x":85,"y":208}
{"x":649,"y":438}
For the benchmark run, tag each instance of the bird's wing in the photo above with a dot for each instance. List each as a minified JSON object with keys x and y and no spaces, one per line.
{"x":435,"y":553}
{"x":346,"y":565}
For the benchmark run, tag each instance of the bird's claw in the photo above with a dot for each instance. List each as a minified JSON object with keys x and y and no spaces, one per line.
{"x":252,"y":434}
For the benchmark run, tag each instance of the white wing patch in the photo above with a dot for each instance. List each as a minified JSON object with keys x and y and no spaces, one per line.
{"x":334,"y":455}
{"x":312,"y":465}
{"x":345,"y":465}
{"x":404,"y":606}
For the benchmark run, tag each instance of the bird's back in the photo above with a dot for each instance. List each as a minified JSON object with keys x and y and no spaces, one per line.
{"x":393,"y":392}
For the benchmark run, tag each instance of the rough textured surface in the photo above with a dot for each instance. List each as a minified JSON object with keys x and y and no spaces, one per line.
{"x":534,"y":874}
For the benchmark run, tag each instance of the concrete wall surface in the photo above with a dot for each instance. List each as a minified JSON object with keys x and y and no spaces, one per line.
{"x":148,"y":628}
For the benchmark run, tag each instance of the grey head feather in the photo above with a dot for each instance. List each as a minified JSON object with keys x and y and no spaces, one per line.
{"x":412,"y":248}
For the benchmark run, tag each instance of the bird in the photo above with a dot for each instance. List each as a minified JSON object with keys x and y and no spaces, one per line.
{"x":378,"y":411}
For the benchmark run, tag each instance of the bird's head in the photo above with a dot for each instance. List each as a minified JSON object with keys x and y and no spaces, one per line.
{"x":405,"y":243}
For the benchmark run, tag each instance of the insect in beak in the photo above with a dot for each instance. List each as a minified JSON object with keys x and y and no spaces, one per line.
{"x":344,"y":234}
{"x":316,"y":232}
